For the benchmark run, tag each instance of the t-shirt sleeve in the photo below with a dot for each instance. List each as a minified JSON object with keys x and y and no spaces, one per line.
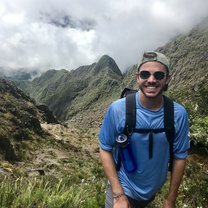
{"x":182,"y":140}
{"x":107,"y":131}
{"x":109,"y":128}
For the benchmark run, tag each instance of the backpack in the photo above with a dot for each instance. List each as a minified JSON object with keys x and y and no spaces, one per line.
{"x":130,"y":124}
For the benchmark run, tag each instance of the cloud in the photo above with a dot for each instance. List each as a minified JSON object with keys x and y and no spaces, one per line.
{"x":67,"y":21}
{"x":66,"y":34}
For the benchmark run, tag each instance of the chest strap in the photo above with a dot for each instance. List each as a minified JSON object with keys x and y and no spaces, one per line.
{"x":150,"y":132}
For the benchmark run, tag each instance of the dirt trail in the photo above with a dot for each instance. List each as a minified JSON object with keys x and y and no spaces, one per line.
{"x":69,"y":145}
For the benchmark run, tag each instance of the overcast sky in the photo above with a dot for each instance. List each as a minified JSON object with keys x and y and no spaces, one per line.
{"x":45,"y":34}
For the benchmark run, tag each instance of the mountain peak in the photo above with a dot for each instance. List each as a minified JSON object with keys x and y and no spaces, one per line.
{"x":107,"y":62}
{"x":105,"y":57}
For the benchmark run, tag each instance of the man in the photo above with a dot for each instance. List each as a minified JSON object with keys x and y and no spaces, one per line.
{"x":138,"y":188}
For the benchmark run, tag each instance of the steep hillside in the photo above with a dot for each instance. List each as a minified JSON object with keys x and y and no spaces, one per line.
{"x":32,"y":142}
{"x":189,"y":57}
{"x":40,"y":162}
{"x":67,"y":93}
{"x":20,"y":122}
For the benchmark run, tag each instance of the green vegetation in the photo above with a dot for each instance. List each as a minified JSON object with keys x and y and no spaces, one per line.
{"x":44,"y":192}
{"x":199,"y":130}
{"x":70,"y":176}
{"x":78,"y":189}
{"x":195,"y":102}
{"x":193,"y":191}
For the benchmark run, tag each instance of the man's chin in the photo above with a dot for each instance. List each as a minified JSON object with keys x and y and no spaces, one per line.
{"x":151,"y":94}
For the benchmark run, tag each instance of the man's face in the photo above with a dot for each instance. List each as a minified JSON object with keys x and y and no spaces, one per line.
{"x":152,"y":79}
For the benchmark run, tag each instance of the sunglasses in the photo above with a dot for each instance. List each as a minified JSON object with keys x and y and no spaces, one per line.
{"x":159,"y":75}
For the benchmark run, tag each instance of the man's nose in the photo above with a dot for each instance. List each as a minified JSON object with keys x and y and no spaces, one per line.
{"x":151,"y":78}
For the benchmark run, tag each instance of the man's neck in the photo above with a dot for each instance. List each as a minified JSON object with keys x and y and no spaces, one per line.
{"x":151,"y":103}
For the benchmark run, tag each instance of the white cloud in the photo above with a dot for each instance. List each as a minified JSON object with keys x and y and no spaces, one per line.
{"x":15,"y":19}
{"x":70,"y":33}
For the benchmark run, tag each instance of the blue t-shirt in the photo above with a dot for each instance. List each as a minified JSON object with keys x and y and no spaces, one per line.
{"x":151,"y":173}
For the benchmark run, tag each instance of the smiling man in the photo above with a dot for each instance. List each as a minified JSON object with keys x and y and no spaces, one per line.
{"x":148,"y":147}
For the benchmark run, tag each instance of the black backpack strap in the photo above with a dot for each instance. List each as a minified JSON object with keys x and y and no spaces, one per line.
{"x":127,"y":91}
{"x":130,"y":121}
{"x":169,"y":126}
{"x":130,"y":114}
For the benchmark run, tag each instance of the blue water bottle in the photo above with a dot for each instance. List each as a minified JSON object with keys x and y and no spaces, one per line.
{"x":126,"y":153}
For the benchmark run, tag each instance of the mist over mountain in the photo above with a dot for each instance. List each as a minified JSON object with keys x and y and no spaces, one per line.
{"x":19,"y":74}
{"x":66,"y":35}
{"x":189,"y":56}
{"x":90,"y":89}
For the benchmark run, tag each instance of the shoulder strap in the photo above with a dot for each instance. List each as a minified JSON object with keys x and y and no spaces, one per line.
{"x":130,"y":114}
{"x":130,"y":121}
{"x":169,"y":118}
{"x":169,"y":126}
{"x":127,"y":91}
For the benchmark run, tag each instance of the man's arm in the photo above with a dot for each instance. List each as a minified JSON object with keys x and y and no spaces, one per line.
{"x":175,"y":181}
{"x":111,"y":174}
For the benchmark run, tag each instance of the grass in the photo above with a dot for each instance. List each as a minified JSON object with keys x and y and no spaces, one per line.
{"x":193,"y":191}
{"x":52,"y":192}
{"x":78,"y":180}
{"x":74,"y":191}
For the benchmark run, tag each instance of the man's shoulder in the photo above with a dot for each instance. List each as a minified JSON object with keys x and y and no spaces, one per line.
{"x":117,"y":107}
{"x":179,"y":109}
{"x":118,"y":103}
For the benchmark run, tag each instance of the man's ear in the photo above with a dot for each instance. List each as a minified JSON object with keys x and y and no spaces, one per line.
{"x":137,"y":76}
{"x":168,"y":78}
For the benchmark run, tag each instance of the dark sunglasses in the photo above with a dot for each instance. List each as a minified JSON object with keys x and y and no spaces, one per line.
{"x":159,"y":75}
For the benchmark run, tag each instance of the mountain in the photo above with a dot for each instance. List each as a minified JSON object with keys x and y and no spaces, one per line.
{"x":83,"y":94}
{"x":68,"y":92}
